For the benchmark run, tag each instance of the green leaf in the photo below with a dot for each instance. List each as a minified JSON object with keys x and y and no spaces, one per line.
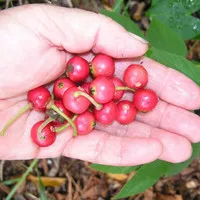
{"x":177,"y":168}
{"x":176,"y":62}
{"x":118,"y":5}
{"x":145,"y":177}
{"x":41,"y":187}
{"x":164,"y":38}
{"x":191,"y":5}
{"x":176,"y":14}
{"x":11,"y":181}
{"x":127,"y":23}
{"x":22,"y":179}
{"x":114,"y":169}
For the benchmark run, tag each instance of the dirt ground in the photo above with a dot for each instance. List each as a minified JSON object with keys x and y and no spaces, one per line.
{"x":69,"y":179}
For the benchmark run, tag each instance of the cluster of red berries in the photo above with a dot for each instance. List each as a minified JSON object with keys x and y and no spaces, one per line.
{"x":88,"y":92}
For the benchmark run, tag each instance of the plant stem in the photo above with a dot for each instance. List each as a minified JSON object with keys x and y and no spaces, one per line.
{"x":54,"y":107}
{"x":22,"y":179}
{"x":80,"y":93}
{"x":10,"y":122}
{"x":191,"y":49}
{"x":43,"y":125}
{"x":118,"y":88}
{"x":63,"y":127}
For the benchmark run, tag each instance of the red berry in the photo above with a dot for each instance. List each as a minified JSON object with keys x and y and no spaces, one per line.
{"x":118,"y":83}
{"x":145,"y":100}
{"x":61,"y":107}
{"x":107,"y":114}
{"x":46,"y":137}
{"x":102,"y":89}
{"x":60,"y":86}
{"x":86,"y":87}
{"x":78,"y":69}
{"x":39,"y":97}
{"x":135,"y":76}
{"x":85,"y":123}
{"x":102,"y":65}
{"x":74,"y":104}
{"x":126,"y":112}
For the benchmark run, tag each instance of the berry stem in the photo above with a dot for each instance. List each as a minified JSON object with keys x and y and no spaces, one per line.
{"x":80,"y":93}
{"x":124,"y":88}
{"x":63,"y":127}
{"x":15,"y":117}
{"x":54,"y":107}
{"x":43,"y":125}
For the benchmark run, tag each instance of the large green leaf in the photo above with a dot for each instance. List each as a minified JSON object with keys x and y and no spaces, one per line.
{"x":145,"y":177}
{"x":176,"y":168}
{"x":114,"y":169}
{"x":191,"y":5}
{"x":127,"y":23}
{"x":177,"y":15}
{"x":164,"y":38}
{"x":176,"y":62}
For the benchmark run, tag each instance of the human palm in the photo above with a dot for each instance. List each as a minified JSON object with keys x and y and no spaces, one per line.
{"x":36,"y":43}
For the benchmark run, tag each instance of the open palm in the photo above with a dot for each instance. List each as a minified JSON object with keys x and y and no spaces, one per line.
{"x":36,"y":42}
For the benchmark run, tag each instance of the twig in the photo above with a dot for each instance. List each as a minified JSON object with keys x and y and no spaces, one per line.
{"x":7,"y":4}
{"x":20,"y":2}
{"x":69,"y":179}
{"x":1,"y":170}
{"x":195,"y":43}
{"x":31,"y":196}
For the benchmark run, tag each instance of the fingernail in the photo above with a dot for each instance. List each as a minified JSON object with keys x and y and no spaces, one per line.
{"x":139,"y":38}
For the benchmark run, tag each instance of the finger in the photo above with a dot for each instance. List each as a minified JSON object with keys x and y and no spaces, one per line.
{"x":175,"y":148}
{"x":171,"y":85}
{"x":96,"y":147}
{"x":103,"y":148}
{"x":79,"y":31}
{"x":173,"y":119}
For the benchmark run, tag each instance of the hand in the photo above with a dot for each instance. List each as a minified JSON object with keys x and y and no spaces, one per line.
{"x":36,"y":42}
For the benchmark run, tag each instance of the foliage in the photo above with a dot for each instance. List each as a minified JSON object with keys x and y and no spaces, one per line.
{"x":177,"y":15}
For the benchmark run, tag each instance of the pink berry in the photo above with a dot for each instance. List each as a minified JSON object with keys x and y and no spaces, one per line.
{"x":85,"y":123}
{"x":78,"y":69}
{"x":60,"y":86}
{"x":145,"y":100}
{"x":74,"y":104}
{"x":102,"y":89}
{"x":39,"y":97}
{"x":126,"y":112}
{"x":46,"y":137}
{"x":118,"y":83}
{"x":102,"y":65}
{"x":86,"y":87}
{"x":107,"y":114}
{"x":135,"y":76}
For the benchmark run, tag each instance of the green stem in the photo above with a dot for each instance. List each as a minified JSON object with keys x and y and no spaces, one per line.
{"x":80,"y":93}
{"x":22,"y":179}
{"x":43,"y":125}
{"x":10,"y":121}
{"x":54,"y":107}
{"x":118,"y":88}
{"x":63,"y":127}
